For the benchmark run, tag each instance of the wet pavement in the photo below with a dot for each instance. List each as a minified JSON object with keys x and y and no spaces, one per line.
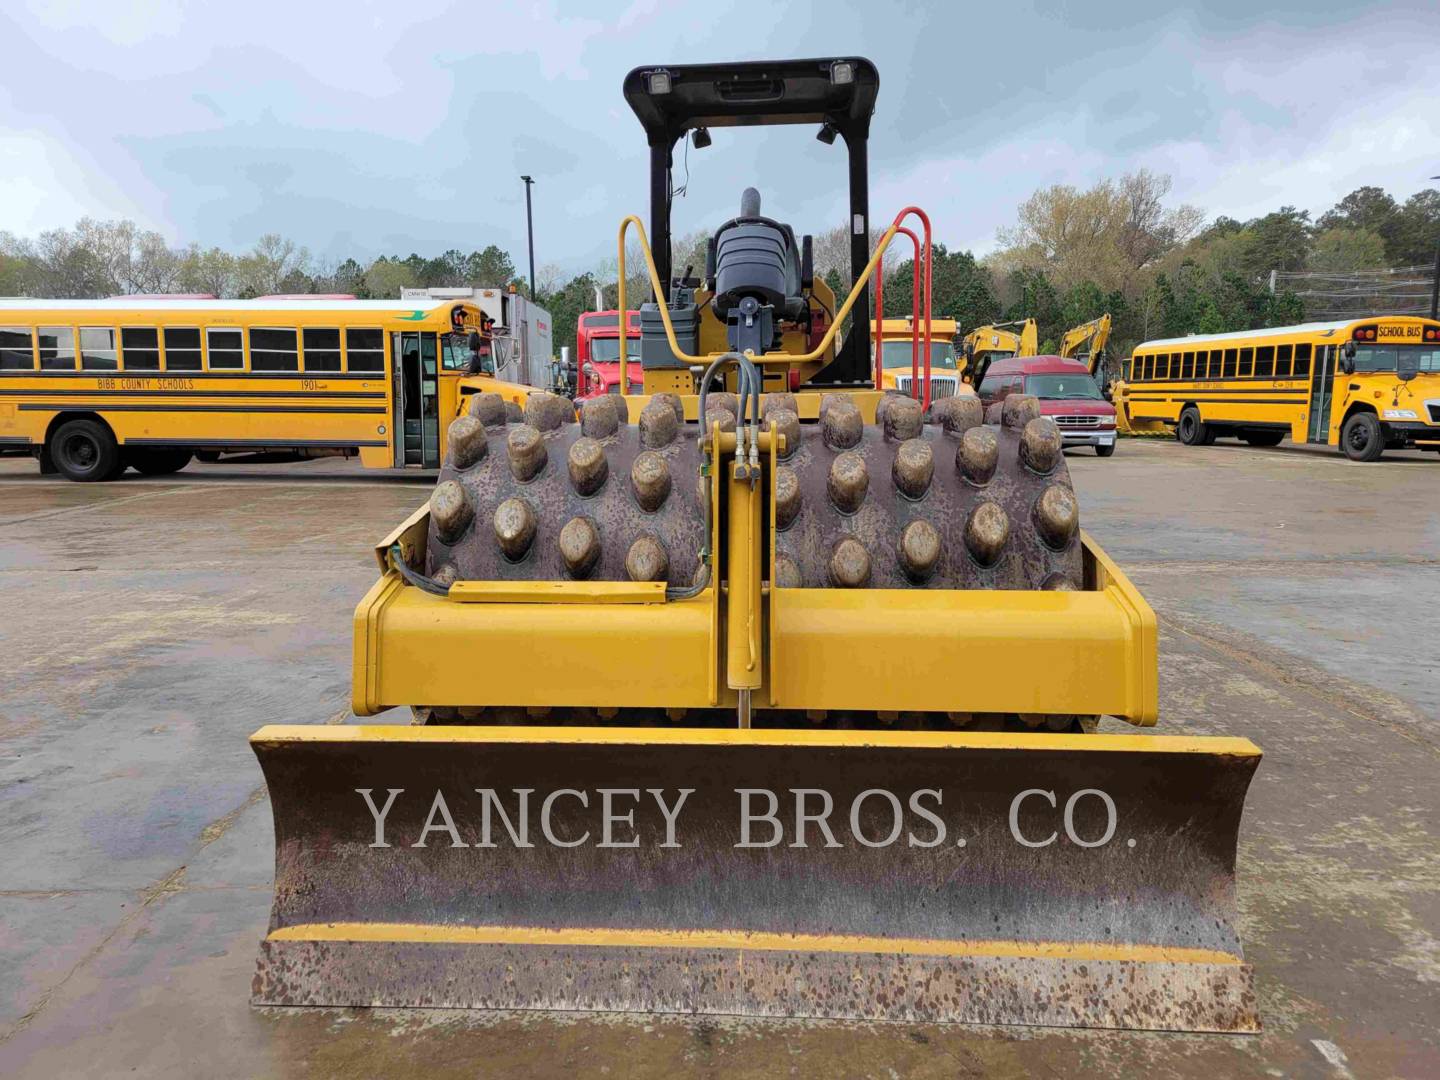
{"x":151,"y":625}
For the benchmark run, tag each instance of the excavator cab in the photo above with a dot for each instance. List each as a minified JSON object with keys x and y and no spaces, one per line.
{"x":849,"y":762}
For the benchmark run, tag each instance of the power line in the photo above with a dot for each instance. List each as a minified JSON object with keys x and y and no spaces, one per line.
{"x":1338,"y":294}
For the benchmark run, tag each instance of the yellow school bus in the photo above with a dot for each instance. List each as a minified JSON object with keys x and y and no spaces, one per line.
{"x":897,"y":354}
{"x":93,"y":386}
{"x":1364,"y":385}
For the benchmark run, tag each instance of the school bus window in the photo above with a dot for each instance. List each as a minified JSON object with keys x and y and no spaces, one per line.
{"x":17,"y":350}
{"x":1147,"y":368}
{"x":1282,"y":361}
{"x":1162,"y":365}
{"x":1265,"y":362}
{"x":1125,"y":370}
{"x":364,"y":350}
{"x":1429,"y":360}
{"x":1302,"y":360}
{"x":182,"y":348}
{"x":227,"y":349}
{"x":1187,"y":366}
{"x":1230,"y":363}
{"x":455,"y":352}
{"x":1215,"y":355}
{"x":57,"y":348}
{"x":1247,"y":358}
{"x":97,"y":348}
{"x":273,"y":349}
{"x":140,"y":348}
{"x":322,"y":349}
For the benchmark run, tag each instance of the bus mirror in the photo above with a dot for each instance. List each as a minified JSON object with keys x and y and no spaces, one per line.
{"x":1407,"y":366}
{"x":474,"y":341}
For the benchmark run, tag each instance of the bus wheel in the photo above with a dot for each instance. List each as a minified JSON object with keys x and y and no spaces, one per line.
{"x":1361,"y":437}
{"x":1190,"y":430}
{"x":85,"y":451}
{"x":158,"y":461}
{"x":207,"y":457}
{"x":1261,"y":437}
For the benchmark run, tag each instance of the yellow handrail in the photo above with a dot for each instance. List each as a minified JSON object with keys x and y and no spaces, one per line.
{"x":680,"y":354}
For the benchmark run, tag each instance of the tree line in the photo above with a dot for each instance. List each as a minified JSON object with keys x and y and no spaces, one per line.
{"x":1162,"y":270}
{"x":1120,"y":246}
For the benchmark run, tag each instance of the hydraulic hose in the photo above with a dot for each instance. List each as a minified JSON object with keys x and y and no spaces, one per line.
{"x":414,"y":577}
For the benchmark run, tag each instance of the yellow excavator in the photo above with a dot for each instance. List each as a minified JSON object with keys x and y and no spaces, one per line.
{"x":1086,"y":342}
{"x":761,"y":692}
{"x":996,"y":341}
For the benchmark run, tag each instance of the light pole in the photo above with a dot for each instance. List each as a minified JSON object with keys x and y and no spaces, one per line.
{"x":530,"y":231}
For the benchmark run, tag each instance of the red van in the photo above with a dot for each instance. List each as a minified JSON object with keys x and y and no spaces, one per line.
{"x":1068,"y":395}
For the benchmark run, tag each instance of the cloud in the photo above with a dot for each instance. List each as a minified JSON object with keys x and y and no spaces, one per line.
{"x":369,"y":127}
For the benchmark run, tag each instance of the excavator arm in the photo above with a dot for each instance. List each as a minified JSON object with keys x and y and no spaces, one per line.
{"x":1087,"y":342}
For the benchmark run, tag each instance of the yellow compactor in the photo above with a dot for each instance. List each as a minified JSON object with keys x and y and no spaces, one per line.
{"x":763,"y":692}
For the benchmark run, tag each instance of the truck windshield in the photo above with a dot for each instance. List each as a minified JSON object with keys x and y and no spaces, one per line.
{"x":896,"y":354}
{"x":1063,"y":387}
{"x":607,"y":350}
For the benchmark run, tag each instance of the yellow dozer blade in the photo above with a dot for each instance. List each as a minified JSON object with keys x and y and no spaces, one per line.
{"x":792,"y":788}
{"x":925,"y":876}
{"x":1125,"y":420}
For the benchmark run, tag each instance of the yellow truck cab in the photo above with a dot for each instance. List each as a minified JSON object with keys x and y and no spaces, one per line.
{"x":896,"y":339}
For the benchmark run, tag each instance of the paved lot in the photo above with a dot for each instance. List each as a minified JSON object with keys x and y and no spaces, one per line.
{"x":150,"y":625}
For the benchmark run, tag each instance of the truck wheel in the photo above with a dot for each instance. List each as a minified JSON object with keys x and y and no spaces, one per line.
{"x":85,"y":451}
{"x":1263,"y":438}
{"x":1105,"y":451}
{"x":1190,"y":430}
{"x":158,"y":461}
{"x":1361,"y":437}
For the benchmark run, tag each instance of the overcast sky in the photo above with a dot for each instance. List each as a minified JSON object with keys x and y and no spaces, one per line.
{"x":367,"y":128}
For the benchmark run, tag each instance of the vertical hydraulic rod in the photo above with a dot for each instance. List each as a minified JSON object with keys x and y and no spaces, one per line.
{"x":743,"y":667}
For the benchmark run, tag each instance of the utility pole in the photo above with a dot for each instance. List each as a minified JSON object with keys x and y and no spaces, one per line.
{"x":1435,"y":281}
{"x":530,"y":231}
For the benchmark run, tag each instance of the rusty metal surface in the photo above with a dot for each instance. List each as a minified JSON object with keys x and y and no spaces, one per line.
{"x":1025,"y":561}
{"x":613,"y":509}
{"x":1172,"y":888}
{"x":846,"y":986}
{"x":873,"y":515}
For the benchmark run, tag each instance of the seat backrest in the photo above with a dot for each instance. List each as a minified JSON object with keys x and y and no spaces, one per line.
{"x":756,"y":256}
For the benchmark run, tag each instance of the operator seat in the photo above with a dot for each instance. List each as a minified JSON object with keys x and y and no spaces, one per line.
{"x":755,"y":256}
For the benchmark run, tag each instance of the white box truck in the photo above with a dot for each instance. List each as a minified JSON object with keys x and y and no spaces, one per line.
{"x":524,"y":352}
